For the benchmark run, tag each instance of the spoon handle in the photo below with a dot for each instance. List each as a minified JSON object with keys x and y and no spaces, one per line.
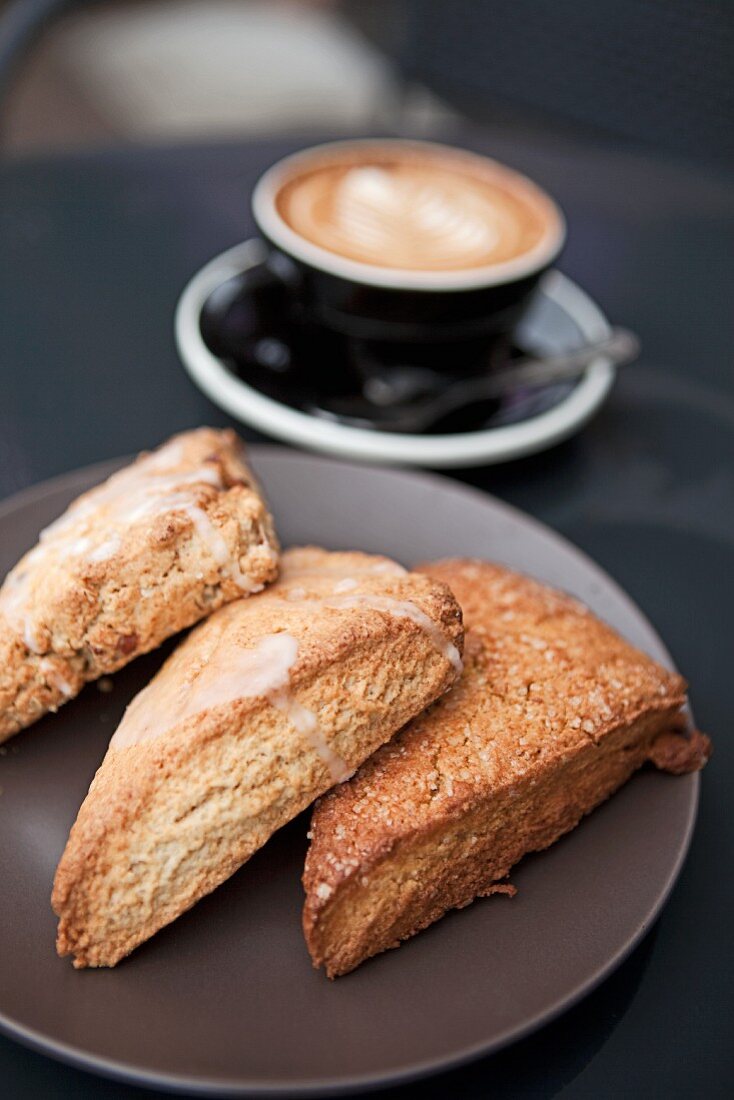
{"x":620,"y":346}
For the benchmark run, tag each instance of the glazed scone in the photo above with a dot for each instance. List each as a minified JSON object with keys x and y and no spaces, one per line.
{"x":161,"y":544}
{"x":261,"y":709}
{"x":553,"y":713}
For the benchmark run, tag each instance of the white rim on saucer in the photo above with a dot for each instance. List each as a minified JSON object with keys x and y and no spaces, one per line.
{"x":485,"y":447}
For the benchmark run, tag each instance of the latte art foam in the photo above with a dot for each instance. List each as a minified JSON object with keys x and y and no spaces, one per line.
{"x":415,"y":212}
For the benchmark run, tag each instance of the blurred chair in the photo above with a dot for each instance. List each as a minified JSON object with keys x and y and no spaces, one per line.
{"x":179,"y":69}
{"x":21,"y":23}
{"x":651,"y":72}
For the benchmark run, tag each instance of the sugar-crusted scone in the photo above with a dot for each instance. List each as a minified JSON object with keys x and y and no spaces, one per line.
{"x":553,"y":713}
{"x":162,"y":543}
{"x":261,"y":709}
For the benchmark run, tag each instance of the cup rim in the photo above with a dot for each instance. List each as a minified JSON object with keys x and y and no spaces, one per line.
{"x":275,"y":229}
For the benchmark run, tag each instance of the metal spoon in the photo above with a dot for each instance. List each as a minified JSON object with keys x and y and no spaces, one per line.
{"x":620,"y":347}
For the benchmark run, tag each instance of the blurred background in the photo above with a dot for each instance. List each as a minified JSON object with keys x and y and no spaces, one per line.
{"x":652,"y":73}
{"x":624,"y":110}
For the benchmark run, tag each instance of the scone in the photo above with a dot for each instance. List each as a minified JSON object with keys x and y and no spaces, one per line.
{"x":261,"y":709}
{"x":553,"y":713}
{"x":158,"y":546}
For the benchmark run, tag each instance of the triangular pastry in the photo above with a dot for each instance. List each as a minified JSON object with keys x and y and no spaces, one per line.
{"x":553,"y":713}
{"x":261,"y":709}
{"x":158,"y":546}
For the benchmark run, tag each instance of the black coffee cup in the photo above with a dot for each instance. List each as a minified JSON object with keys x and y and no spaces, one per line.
{"x":389,"y":304}
{"x":307,"y":307}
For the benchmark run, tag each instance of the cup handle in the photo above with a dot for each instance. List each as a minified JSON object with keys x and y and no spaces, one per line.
{"x":246,"y":303}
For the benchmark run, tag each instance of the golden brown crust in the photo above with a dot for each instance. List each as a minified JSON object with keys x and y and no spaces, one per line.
{"x":553,"y":713}
{"x":172,"y":814}
{"x":153,"y":550}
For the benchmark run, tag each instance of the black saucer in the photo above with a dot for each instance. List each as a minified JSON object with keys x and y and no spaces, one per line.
{"x":252,"y":327}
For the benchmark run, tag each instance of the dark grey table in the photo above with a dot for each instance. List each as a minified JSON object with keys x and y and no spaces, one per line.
{"x":95,"y":249}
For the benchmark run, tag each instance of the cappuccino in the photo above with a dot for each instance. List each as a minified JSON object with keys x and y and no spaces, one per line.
{"x":415,"y":207}
{"x":401,"y":241}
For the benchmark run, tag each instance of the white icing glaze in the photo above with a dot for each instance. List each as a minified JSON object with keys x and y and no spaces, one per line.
{"x":170,"y":454}
{"x":215,"y":680}
{"x":91,"y":529}
{"x":346,"y":585}
{"x":106,"y":549}
{"x":388,"y":566}
{"x":30,"y":637}
{"x":243,"y":582}
{"x":343,"y":596}
{"x":206,"y":531}
{"x":402,"y":609}
{"x":56,"y":679}
{"x":225,"y":675}
{"x":293,"y":571}
{"x":79,"y":547}
{"x":307,"y":724}
{"x":139,"y":490}
{"x":295,"y":578}
{"x":204,"y":528}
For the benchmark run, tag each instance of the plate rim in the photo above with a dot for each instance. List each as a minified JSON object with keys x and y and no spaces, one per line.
{"x":486,"y":447}
{"x":117,"y":1070}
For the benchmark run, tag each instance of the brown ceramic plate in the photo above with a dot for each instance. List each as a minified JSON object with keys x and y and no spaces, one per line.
{"x":225,"y":1000}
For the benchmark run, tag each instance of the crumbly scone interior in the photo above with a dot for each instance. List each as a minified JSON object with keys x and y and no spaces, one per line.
{"x":161,"y":544}
{"x":338,"y":654}
{"x":553,"y":713}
